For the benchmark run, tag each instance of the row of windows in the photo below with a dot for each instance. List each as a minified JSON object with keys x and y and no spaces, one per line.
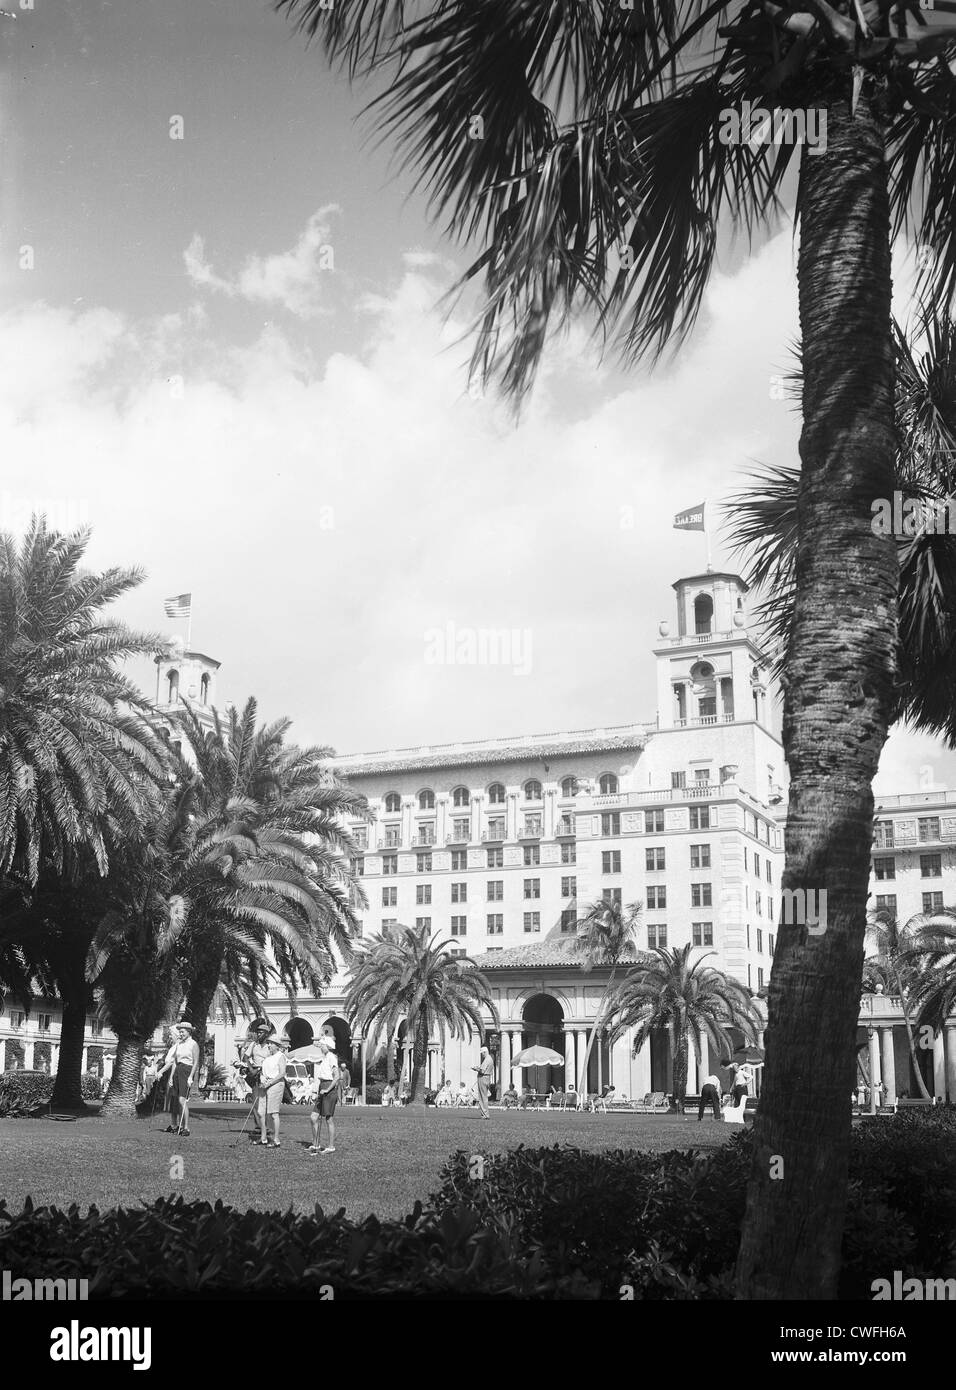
{"x":767,"y":865}
{"x":928,"y":830}
{"x":533,"y":791}
{"x":494,"y":859}
{"x":932,"y":902}
{"x":930,"y":866}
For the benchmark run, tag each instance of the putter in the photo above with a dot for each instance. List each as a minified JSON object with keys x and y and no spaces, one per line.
{"x":242,"y":1131}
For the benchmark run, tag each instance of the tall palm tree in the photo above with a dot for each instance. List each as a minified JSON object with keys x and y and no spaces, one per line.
{"x":689,"y":1000}
{"x":892,"y":941}
{"x":77,"y":751}
{"x":932,"y":954}
{"x":278,"y":808}
{"x":409,"y":975}
{"x":586,"y":147}
{"x":604,"y":933}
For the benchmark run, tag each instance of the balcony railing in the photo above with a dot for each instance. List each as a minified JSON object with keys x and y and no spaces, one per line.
{"x":423,"y":841}
{"x":699,"y":721}
{"x":883,"y":841}
{"x":493,"y":836}
{"x":564,"y":828}
{"x":455,"y":839}
{"x":530,"y":832}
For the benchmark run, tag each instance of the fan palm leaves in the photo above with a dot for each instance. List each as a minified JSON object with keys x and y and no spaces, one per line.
{"x":688,"y":1000}
{"x":892,"y":940}
{"x":409,"y":976}
{"x":75,"y":742}
{"x":931,"y":952}
{"x":604,"y":933}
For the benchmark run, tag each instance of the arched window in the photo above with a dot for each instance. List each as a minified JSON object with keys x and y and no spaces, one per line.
{"x":426,"y":801}
{"x":532,"y":791}
{"x":703,"y":613}
{"x":461,"y":796}
{"x":393,"y":802}
{"x":608,"y":784}
{"x":496,"y":794}
{"x":569,"y":787}
{"x":173,"y":679}
{"x":204,"y":688}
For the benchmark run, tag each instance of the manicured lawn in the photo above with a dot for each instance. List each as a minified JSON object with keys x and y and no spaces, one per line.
{"x":385,"y":1158}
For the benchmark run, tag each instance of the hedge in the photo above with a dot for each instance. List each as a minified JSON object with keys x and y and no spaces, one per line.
{"x":30,"y":1092}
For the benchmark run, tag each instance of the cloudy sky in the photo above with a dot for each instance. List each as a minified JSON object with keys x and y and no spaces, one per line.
{"x":226,"y":352}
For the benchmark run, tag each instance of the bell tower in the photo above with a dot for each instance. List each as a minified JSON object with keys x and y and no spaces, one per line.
{"x":186,"y":676}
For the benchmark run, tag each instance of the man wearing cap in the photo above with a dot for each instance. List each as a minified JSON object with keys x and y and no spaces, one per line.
{"x":327,"y":1075}
{"x":182,"y":1062}
{"x":270,"y":1089}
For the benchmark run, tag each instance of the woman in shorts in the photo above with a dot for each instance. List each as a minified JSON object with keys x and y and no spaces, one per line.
{"x":327,"y":1075}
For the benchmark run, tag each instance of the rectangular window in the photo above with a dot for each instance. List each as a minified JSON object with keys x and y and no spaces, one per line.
{"x":496,"y":924}
{"x":569,"y":854}
{"x":459,"y":926}
{"x":532,"y":825}
{"x":357,"y":865}
{"x":760,"y":940}
{"x":930,"y":865}
{"x":654,"y":860}
{"x":702,"y":933}
{"x":393,"y":836}
{"x":653,"y":822}
{"x":885,"y":867}
{"x":424,"y":863}
{"x":456,"y":951}
{"x":771,"y":942}
{"x":928,"y":829}
{"x":748,"y":938}
{"x":43,"y":1022}
{"x":700,"y":817}
{"x":657,"y":897}
{"x":745,"y":857}
{"x":611,"y":895}
{"x":461,"y":828}
{"x":883,"y":836}
{"x":423,"y":894}
{"x":423,"y":923}
{"x":532,"y":921}
{"x":569,"y":919}
{"x":610,"y":861}
{"x":611,"y":823}
{"x":532,"y":888}
{"x":459,"y":860}
{"x":766,"y":865}
{"x":701,"y":895}
{"x":759,"y":901}
{"x":678,"y":780}
{"x":532,"y":855}
{"x":496,"y":828}
{"x":760,"y":977}
{"x":702,"y":775}
{"x":569,"y":887}
{"x":700,"y":856}
{"x":388,"y":923}
{"x":426,"y":834}
{"x":496,"y":859}
{"x":887,"y":901}
{"x":749,"y":982}
{"x":390,"y":897}
{"x":389,"y":863}
{"x":496,"y":890}
{"x":932,"y":902}
{"x":757,"y":865}
{"x":459,"y":892}
{"x":657,"y":936}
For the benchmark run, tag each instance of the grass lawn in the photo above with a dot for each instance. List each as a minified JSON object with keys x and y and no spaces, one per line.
{"x":385,"y":1159}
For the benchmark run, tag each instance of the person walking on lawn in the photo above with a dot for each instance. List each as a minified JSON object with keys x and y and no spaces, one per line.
{"x":182,"y":1062}
{"x":327,"y":1074}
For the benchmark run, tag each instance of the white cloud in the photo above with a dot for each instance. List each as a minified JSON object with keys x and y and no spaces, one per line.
{"x":291,"y":279}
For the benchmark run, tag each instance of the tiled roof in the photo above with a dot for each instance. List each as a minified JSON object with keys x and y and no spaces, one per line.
{"x":474,"y":757}
{"x":553,"y":951}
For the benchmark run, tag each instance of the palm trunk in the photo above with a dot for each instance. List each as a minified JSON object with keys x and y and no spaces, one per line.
{"x":119,"y":1103}
{"x":74,"y":994}
{"x":680,"y":1071}
{"x":839,"y":681}
{"x":909,"y":1037}
{"x":598,"y":1020}
{"x":416,"y":1088}
{"x":198,"y":1004}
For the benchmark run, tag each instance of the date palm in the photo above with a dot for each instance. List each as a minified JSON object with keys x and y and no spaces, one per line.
{"x":578,"y":144}
{"x":687,"y":999}
{"x":77,"y":753}
{"x":893,"y":940}
{"x":410,"y":976}
{"x":604,"y":934}
{"x":931,"y":952}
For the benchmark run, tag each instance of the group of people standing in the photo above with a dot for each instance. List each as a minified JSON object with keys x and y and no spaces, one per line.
{"x":710,"y":1092}
{"x":264,"y":1064}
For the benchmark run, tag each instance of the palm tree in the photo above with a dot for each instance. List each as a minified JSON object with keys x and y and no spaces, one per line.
{"x":932,"y":955}
{"x":76,"y":752}
{"x":277,"y":806}
{"x":587,"y":147}
{"x":892,"y":941}
{"x":409,"y":975}
{"x":603,"y":936}
{"x":687,"y":998}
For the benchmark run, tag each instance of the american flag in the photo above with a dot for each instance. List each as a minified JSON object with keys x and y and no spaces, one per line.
{"x":179,"y":606}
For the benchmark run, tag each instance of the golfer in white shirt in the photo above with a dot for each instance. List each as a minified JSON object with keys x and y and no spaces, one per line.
{"x":327,"y":1075}
{"x":270,"y":1090}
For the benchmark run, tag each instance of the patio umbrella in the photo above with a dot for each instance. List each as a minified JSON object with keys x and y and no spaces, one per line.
{"x":748,"y":1054}
{"x":537,"y":1057}
{"x":310,"y":1053}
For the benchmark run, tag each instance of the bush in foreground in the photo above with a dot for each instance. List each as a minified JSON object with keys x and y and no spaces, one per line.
{"x":25,"y":1093}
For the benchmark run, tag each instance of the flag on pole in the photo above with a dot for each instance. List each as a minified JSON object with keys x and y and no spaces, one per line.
{"x":691,"y":520}
{"x":180,"y":606}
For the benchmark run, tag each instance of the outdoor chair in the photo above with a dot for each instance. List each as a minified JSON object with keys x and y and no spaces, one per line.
{"x":571,"y":1100}
{"x":653,"y":1102}
{"x":352,"y":1095}
{"x":555,"y":1101}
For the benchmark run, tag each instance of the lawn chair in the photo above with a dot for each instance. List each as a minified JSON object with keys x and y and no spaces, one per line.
{"x":352,"y":1095}
{"x":572,"y":1100}
{"x":555,"y":1101}
{"x":653,"y":1102}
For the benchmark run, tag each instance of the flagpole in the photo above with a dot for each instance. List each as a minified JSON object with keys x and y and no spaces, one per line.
{"x":189,"y":624}
{"x":710,"y":558}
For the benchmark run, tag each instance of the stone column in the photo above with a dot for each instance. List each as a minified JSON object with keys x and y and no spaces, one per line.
{"x":476,"y":803}
{"x":950,"y":1032}
{"x":640,"y":1070}
{"x":504,"y":1060}
{"x":28,"y":1046}
{"x":889,"y":1064}
{"x":692,"y":1086}
{"x":874,"y":1044}
{"x":511,"y":826}
{"x":442,"y":825}
{"x":54,"y":1058}
{"x":84,"y":1060}
{"x":939,"y":1067}
{"x":407,"y":824}
{"x":547,"y":828}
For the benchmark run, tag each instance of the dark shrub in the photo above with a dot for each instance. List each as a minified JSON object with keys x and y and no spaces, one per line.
{"x":29,"y":1092}
{"x":373,"y":1093}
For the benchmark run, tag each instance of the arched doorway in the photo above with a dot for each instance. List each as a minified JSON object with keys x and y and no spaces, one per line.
{"x":299,"y":1032}
{"x":542,"y":1020}
{"x":343,"y":1039}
